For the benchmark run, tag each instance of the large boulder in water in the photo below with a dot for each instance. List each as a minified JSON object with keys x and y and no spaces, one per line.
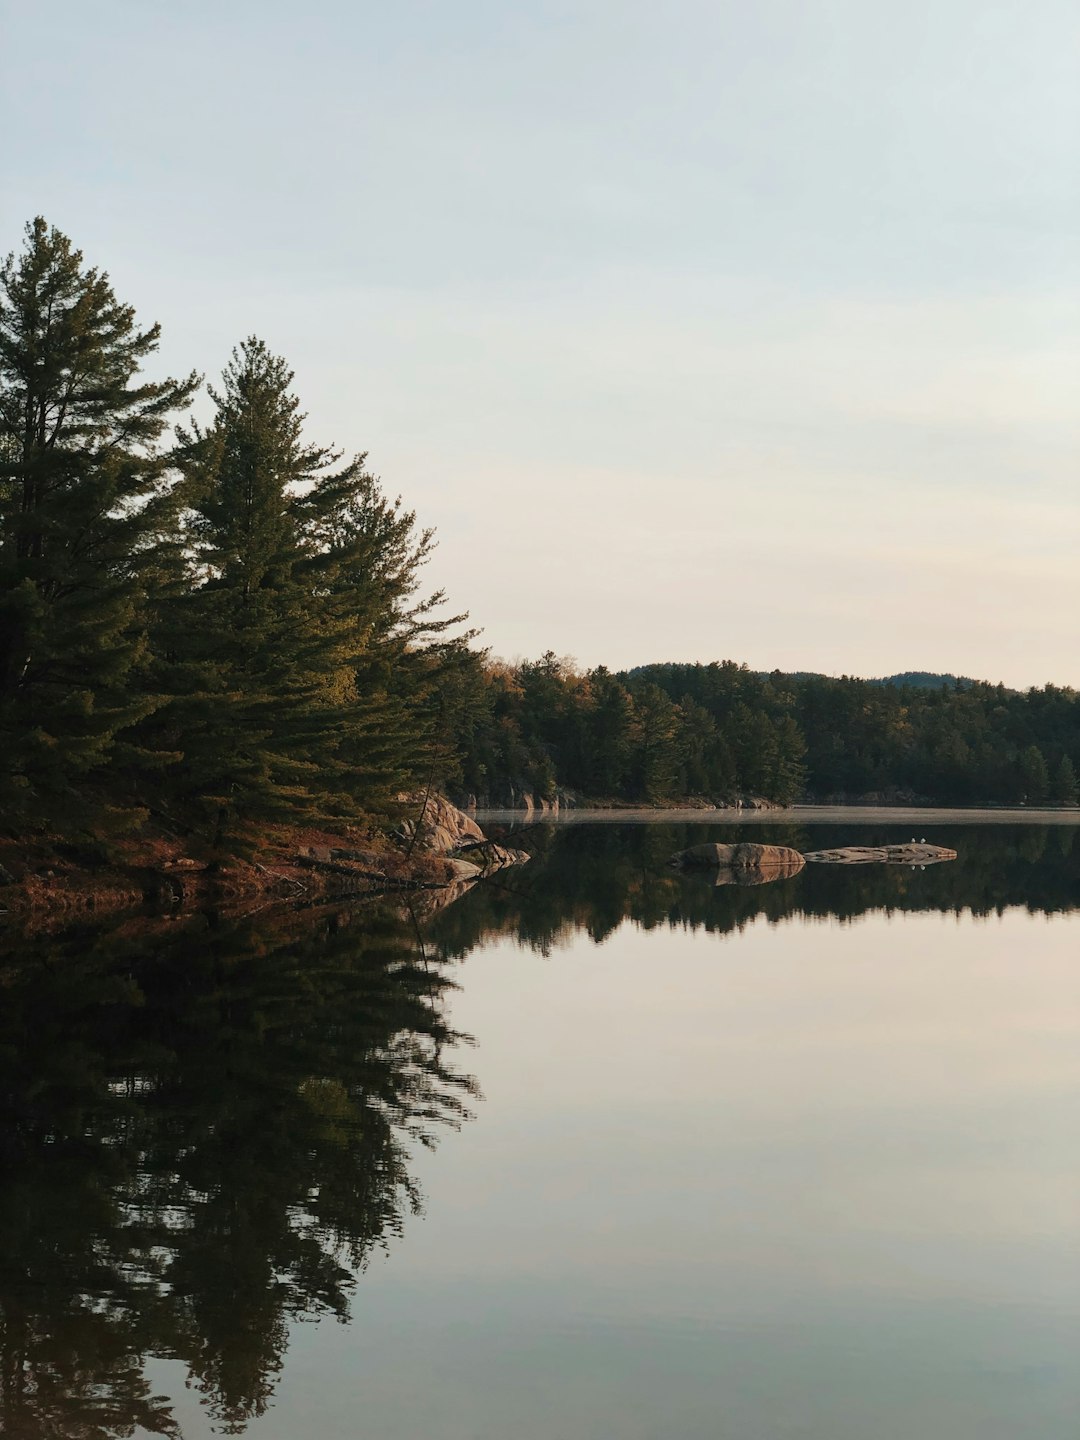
{"x":770,"y":862}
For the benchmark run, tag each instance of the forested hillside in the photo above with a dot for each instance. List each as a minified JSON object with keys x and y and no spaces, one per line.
{"x":219,"y":625}
{"x":720,"y":731}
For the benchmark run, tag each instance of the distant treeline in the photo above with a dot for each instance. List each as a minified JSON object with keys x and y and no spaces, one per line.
{"x":221,"y":625}
{"x":920,"y":679}
{"x":720,"y":731}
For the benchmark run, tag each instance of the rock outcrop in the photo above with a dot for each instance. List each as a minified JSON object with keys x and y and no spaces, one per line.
{"x":769,"y":862}
{"x":913,"y":853}
{"x":442,"y":829}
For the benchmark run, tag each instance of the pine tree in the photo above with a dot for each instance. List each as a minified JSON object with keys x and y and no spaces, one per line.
{"x":1034,"y":775}
{"x":657,"y":750}
{"x":789,"y":776}
{"x":1064,"y":790}
{"x":241,"y":655}
{"x":407,"y":670}
{"x":609,"y":724}
{"x":697,"y":740}
{"x":292,"y":654}
{"x":84,"y":499}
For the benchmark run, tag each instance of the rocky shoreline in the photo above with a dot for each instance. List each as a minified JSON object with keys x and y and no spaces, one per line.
{"x":44,"y":879}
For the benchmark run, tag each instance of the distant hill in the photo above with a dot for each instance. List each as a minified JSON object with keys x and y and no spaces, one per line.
{"x":925,"y":680}
{"x":914,"y":679}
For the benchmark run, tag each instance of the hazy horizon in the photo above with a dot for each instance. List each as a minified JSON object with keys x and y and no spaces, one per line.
{"x":717,"y":334}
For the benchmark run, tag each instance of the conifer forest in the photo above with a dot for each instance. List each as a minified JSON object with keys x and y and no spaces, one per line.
{"x":210,"y":625}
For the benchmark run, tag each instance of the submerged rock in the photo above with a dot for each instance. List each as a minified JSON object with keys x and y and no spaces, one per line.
{"x":760,"y":862}
{"x":913,"y":853}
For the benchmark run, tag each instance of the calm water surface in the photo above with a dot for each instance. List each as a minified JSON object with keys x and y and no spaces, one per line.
{"x":597,"y":1151}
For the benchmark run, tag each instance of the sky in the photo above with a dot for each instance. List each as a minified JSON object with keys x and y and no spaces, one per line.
{"x":705,"y":331}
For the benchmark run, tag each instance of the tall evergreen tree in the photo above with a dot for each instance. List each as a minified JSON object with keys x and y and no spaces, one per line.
{"x":657,"y":750}
{"x":1034,"y":775}
{"x":610,"y":735}
{"x":291,"y":653}
{"x":1064,"y":791}
{"x":84,"y":497}
{"x":244,"y":654}
{"x":408,"y":665}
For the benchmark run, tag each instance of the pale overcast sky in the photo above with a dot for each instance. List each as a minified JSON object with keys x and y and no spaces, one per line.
{"x":712,"y":330}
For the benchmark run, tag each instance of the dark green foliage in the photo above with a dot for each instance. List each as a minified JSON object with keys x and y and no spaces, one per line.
{"x":719,"y":731}
{"x":545,"y":726}
{"x":256,"y":651}
{"x":657,"y":750}
{"x":925,"y":680}
{"x":1064,"y":789}
{"x":1034,"y":776}
{"x":84,"y":501}
{"x":225,"y":627}
{"x":299,"y":660}
{"x":610,"y":731}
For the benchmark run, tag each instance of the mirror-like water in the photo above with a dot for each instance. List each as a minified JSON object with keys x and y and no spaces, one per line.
{"x":749,"y":1163}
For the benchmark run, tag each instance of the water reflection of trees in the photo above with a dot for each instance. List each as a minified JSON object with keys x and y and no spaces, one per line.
{"x":206,"y":1126}
{"x":593,"y":877}
{"x":206,"y":1132}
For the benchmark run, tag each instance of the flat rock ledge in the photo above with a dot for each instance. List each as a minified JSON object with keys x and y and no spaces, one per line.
{"x":914,"y":853}
{"x":759,"y":863}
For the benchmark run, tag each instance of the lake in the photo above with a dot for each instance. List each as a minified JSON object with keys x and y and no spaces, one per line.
{"x":597,"y":1150}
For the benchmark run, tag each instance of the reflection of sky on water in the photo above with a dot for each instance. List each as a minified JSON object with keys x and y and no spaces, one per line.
{"x":813,"y":1181}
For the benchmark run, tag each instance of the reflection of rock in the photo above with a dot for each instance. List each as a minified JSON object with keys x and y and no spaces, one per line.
{"x":725,"y":875}
{"x":515,"y":796}
{"x":546,"y":807}
{"x":914,"y":853}
{"x":426,"y":903}
{"x":746,"y":802}
{"x":459,"y":869}
{"x":486,"y":855}
{"x":746,"y":862}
